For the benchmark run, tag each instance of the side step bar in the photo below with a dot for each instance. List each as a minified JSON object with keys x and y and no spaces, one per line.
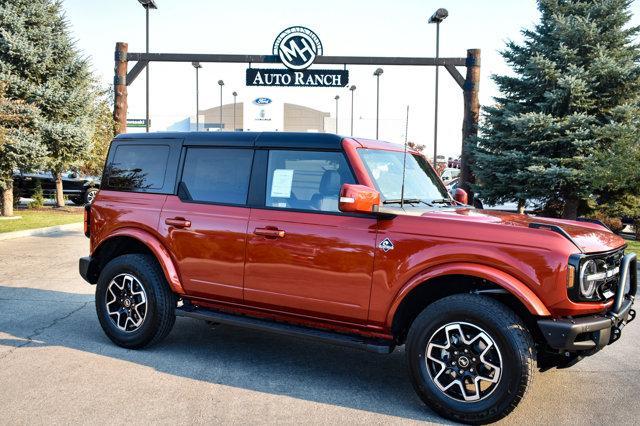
{"x":357,"y":342}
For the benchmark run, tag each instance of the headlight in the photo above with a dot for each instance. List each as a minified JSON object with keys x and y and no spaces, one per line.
{"x":589,"y":278}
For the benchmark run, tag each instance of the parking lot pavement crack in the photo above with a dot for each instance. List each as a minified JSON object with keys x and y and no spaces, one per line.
{"x":38,"y":331}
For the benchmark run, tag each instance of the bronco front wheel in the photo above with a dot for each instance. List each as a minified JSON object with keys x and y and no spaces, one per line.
{"x":471,"y":358}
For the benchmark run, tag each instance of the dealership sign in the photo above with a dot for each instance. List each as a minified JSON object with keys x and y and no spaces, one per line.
{"x":297,"y":48}
{"x":137,"y":122}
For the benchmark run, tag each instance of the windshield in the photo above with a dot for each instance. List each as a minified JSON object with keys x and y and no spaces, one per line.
{"x":385,"y":167}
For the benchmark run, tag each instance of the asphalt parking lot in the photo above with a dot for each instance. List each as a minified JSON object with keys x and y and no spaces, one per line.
{"x":57,"y":367}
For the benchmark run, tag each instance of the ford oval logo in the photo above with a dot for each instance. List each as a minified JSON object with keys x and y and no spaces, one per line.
{"x":262,"y":101}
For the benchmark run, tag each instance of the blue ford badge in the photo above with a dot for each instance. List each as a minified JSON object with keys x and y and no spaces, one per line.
{"x":262,"y":101}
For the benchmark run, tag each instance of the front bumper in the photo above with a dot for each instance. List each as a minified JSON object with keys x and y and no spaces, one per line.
{"x":596,"y":331}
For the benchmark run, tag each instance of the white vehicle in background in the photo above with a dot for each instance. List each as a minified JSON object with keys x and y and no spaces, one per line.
{"x":449,"y":173}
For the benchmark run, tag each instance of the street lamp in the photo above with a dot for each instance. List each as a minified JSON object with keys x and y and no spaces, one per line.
{"x":147,"y":4}
{"x":197,"y":66}
{"x":234,"y":110}
{"x":336,"y":98}
{"x":352,"y":89}
{"x":220,"y":83}
{"x":438,"y":16}
{"x":377,"y":73}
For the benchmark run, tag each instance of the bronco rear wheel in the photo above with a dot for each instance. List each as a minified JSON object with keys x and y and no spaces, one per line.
{"x":135,"y":306}
{"x":470,"y":357}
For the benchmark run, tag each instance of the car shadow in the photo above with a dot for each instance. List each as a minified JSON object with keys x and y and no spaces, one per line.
{"x":226,"y":355}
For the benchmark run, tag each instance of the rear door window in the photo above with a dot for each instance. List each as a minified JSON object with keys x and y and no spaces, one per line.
{"x":216,"y":175}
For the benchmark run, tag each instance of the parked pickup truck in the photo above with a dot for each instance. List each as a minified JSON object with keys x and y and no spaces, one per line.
{"x":341,"y":240}
{"x":80,"y":189}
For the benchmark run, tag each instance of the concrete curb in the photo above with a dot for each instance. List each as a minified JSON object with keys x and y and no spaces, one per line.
{"x":51,"y":230}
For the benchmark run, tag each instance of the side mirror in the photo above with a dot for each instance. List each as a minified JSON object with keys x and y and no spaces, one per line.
{"x":358,"y":199}
{"x":461,"y":196}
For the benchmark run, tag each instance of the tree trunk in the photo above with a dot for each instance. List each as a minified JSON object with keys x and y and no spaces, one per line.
{"x":59,"y":191}
{"x":636,"y":227}
{"x":7,"y":199}
{"x":570,"y":210}
{"x":521,"y":204}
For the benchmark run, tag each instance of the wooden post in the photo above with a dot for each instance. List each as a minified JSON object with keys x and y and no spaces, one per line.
{"x":120,"y":87}
{"x":471,"y":117}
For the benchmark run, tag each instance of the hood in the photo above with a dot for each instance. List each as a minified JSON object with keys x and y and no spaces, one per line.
{"x":589,"y":237}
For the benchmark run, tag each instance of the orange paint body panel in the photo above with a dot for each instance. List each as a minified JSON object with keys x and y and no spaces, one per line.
{"x":322,"y":265}
{"x":210,"y":252}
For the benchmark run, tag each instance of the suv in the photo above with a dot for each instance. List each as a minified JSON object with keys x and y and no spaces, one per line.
{"x":341,"y":240}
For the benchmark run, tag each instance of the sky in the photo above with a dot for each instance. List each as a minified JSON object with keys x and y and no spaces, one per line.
{"x":346,"y":27}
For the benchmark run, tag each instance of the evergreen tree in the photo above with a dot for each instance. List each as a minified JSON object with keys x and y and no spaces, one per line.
{"x":19,"y":144}
{"x":41,"y":65}
{"x":575,"y":87}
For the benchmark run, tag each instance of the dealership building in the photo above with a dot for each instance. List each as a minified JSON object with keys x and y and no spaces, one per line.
{"x":259,"y":114}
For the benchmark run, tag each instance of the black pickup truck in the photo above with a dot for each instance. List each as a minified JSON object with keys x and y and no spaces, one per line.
{"x":79,"y":189}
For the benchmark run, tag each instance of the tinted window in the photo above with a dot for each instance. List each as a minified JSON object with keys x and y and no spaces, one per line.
{"x":306,"y":180}
{"x":138,"y":167}
{"x":216,"y":175}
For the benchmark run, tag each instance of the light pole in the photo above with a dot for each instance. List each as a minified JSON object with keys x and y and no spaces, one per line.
{"x":220,"y":83}
{"x":147,"y":4}
{"x":234,"y":110}
{"x":352,"y":89}
{"x":377,"y":73}
{"x":197,"y":66}
{"x":336,"y":98}
{"x":437,"y":17}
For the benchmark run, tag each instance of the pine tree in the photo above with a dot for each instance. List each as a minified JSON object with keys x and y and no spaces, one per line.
{"x":41,"y":65}
{"x":19,"y":144}
{"x":575,"y":87}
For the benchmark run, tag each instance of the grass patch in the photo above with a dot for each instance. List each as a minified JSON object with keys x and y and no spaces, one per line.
{"x":41,"y":218}
{"x":633,"y":246}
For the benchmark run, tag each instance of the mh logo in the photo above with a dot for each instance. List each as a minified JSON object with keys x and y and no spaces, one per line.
{"x":297,"y":47}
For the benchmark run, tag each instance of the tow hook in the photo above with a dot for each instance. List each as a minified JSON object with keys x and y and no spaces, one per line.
{"x":632,"y":315}
{"x":615,"y":334}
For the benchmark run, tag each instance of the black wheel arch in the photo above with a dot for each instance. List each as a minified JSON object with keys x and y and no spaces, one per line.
{"x":440,"y":287}
{"x":112,"y":248}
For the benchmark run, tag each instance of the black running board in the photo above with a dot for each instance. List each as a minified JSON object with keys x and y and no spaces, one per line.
{"x":377,"y":346}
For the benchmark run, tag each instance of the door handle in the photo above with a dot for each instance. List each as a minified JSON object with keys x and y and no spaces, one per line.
{"x":178,"y":222}
{"x":269,"y":232}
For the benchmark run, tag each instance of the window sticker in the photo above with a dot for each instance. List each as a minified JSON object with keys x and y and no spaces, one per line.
{"x":281,"y":183}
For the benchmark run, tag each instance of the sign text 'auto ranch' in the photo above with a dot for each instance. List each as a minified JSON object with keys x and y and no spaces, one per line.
{"x":305,"y":78}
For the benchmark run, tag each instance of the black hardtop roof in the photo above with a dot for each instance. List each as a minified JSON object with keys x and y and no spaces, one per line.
{"x":257,"y":139}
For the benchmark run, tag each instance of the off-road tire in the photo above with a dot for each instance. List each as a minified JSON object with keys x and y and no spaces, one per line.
{"x":161,"y":302}
{"x":510,"y":335}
